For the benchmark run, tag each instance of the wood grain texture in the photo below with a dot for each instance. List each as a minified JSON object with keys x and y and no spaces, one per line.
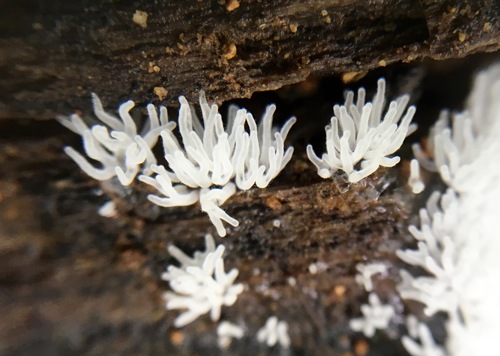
{"x":53,"y":53}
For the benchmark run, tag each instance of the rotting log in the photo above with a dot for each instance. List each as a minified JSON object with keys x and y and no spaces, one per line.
{"x":73,"y":282}
{"x":53,"y":53}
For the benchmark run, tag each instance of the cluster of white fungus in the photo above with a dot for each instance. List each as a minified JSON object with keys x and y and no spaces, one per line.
{"x":116,"y":145}
{"x":207,"y":165}
{"x":419,"y":341}
{"x":108,"y":209}
{"x":227,"y":331}
{"x":212,"y":162}
{"x":367,"y":271}
{"x":435,"y":254}
{"x":274,"y":332}
{"x":455,"y":148}
{"x":359,"y":140}
{"x":375,"y":316}
{"x":200,"y":285}
{"x":458,"y":244}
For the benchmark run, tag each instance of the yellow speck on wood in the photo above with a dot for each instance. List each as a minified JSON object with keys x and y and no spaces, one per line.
{"x":350,"y":77}
{"x":339,"y":290}
{"x":361,"y":348}
{"x":410,"y":58}
{"x":232,"y":5}
{"x":462,"y":36}
{"x":183,"y":50}
{"x":160,"y":92}
{"x":230,"y":51}
{"x":140,"y":18}
{"x":273,"y":203}
{"x":177,"y":337}
{"x":153,"y":68}
{"x":293,"y":27}
{"x":382,"y":63}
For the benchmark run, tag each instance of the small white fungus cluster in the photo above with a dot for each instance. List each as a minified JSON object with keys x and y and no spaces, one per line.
{"x":434,"y":253}
{"x":359,"y":140}
{"x":375,"y":316}
{"x":455,"y":148}
{"x":227,"y":331}
{"x":115,"y":144}
{"x":211,"y":162}
{"x":108,"y":209}
{"x":367,"y":271}
{"x":200,"y":285}
{"x":207,"y":165}
{"x":419,"y":341}
{"x":274,"y":332}
{"x":414,"y":181}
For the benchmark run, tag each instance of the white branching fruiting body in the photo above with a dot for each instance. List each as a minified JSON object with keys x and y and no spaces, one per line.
{"x":273,"y":332}
{"x":458,"y":238}
{"x":359,"y":140}
{"x":212,"y":162}
{"x":367,"y":271}
{"x":208,"y":165}
{"x":454,"y":149}
{"x":414,"y":181}
{"x":116,"y":145}
{"x":375,"y":316}
{"x":435,"y":254}
{"x":200,"y":285}
{"x":227,"y":331}
{"x":419,"y":341}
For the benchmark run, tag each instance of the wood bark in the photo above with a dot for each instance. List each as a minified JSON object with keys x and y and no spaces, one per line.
{"x":53,"y":53}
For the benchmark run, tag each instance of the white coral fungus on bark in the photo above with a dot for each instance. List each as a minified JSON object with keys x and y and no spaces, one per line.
{"x":207,"y":165}
{"x":457,"y":241}
{"x":274,"y":332}
{"x":115,"y":144}
{"x":375,"y":316}
{"x":359,"y":139}
{"x":211,"y":162}
{"x":200,"y":285}
{"x":227,"y":331}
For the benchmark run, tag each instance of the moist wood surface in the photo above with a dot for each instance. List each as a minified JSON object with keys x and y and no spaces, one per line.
{"x":53,"y":53}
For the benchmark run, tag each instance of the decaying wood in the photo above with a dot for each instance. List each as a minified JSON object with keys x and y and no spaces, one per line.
{"x":53,"y":53}
{"x":73,"y":282}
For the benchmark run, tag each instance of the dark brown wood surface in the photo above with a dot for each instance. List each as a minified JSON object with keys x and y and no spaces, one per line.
{"x":54,"y":52}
